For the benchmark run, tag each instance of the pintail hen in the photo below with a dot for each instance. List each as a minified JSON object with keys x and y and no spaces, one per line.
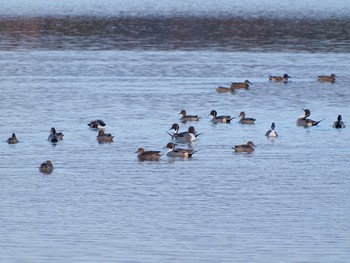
{"x":178,"y":152}
{"x":97,"y":124}
{"x":186,"y":117}
{"x":339,"y":124}
{"x":248,"y":148}
{"x":220,"y":119}
{"x":143,"y":155}
{"x":187,"y":136}
{"x":283,"y":78}
{"x":13,"y":139}
{"x":46,"y":167}
{"x":104,"y":137}
{"x":245,"y":120}
{"x":222,"y":89}
{"x":272,"y":133}
{"x":304,"y":121}
{"x":240,"y":85}
{"x":330,"y":78}
{"x":55,"y":136}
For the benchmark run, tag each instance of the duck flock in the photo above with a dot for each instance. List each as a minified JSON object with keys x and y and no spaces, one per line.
{"x":187,"y":137}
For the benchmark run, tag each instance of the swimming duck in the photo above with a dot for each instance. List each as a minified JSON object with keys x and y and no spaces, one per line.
{"x":46,"y":167}
{"x":304,"y":121}
{"x":104,"y":137}
{"x":248,"y":148}
{"x":188,"y":136}
{"x":280,"y":78}
{"x":240,"y":85}
{"x":55,"y":136}
{"x":97,"y":124}
{"x":178,"y":152}
{"x":148,"y":155}
{"x":330,"y":78}
{"x":220,"y":119}
{"x":12,"y":139}
{"x":271,"y":133}
{"x":186,"y":117}
{"x":245,"y":120}
{"x":222,"y":89}
{"x":338,"y":124}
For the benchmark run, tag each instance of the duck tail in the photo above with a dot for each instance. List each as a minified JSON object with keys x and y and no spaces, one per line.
{"x":317,"y":122}
{"x":190,"y":154}
{"x":196,"y":135}
{"x":171,"y":135}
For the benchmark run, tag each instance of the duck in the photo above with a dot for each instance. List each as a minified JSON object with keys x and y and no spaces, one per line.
{"x":330,"y":78}
{"x":272,"y":133}
{"x":248,"y":148}
{"x":245,"y":120}
{"x":12,"y":139}
{"x":143,"y":155}
{"x":222,"y":89}
{"x":97,"y":124}
{"x":187,"y":136}
{"x":339,"y":124}
{"x":240,"y":85}
{"x":55,"y":136}
{"x":220,"y":119}
{"x":280,"y":78}
{"x":186,"y":117}
{"x":178,"y":152}
{"x":304,"y":121}
{"x":104,"y":137}
{"x":46,"y":167}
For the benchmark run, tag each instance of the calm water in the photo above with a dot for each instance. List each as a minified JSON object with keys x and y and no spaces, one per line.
{"x":286,"y":202}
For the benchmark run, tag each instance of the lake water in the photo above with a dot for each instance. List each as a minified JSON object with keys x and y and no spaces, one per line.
{"x":286,"y":202}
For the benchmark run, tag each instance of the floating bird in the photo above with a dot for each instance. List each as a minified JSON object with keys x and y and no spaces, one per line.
{"x":46,"y":167}
{"x":104,"y":137}
{"x":280,"y":78}
{"x":338,"y":124}
{"x":220,"y":119}
{"x":12,"y":139}
{"x":330,"y":78}
{"x":271,"y":133}
{"x":187,"y":136}
{"x":245,"y":120}
{"x":248,"y":148}
{"x":55,"y":136}
{"x":186,"y":117}
{"x":148,"y":155}
{"x":304,"y":121}
{"x":222,"y":89}
{"x":240,"y":85}
{"x":178,"y":152}
{"x":97,"y":124}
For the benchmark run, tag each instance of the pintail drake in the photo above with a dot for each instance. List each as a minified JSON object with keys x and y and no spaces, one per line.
{"x":240,"y":85}
{"x":280,"y":78}
{"x":13,"y":139}
{"x":330,"y":78}
{"x":220,"y":119}
{"x":143,"y":155}
{"x":339,"y":124}
{"x":188,"y":136}
{"x":186,"y":117}
{"x":55,"y":136}
{"x":272,"y":133}
{"x":248,"y":148}
{"x":103,"y":137}
{"x":97,"y":124}
{"x":245,"y":120}
{"x":46,"y":167}
{"x":304,"y":121}
{"x":178,"y":152}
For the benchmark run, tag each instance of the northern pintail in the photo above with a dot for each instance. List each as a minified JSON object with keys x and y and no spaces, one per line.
{"x":304,"y":121}
{"x":104,"y":137}
{"x":97,"y":124}
{"x":245,"y":120}
{"x":12,"y":139}
{"x":187,"y":136}
{"x":220,"y":119}
{"x":222,"y":89}
{"x":248,"y":148}
{"x":330,"y":78}
{"x":178,"y":152}
{"x":46,"y":167}
{"x":186,"y":117}
{"x":280,"y":78}
{"x":143,"y":155}
{"x":271,"y":133}
{"x":55,"y":136}
{"x":240,"y":85}
{"x":338,"y":124}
